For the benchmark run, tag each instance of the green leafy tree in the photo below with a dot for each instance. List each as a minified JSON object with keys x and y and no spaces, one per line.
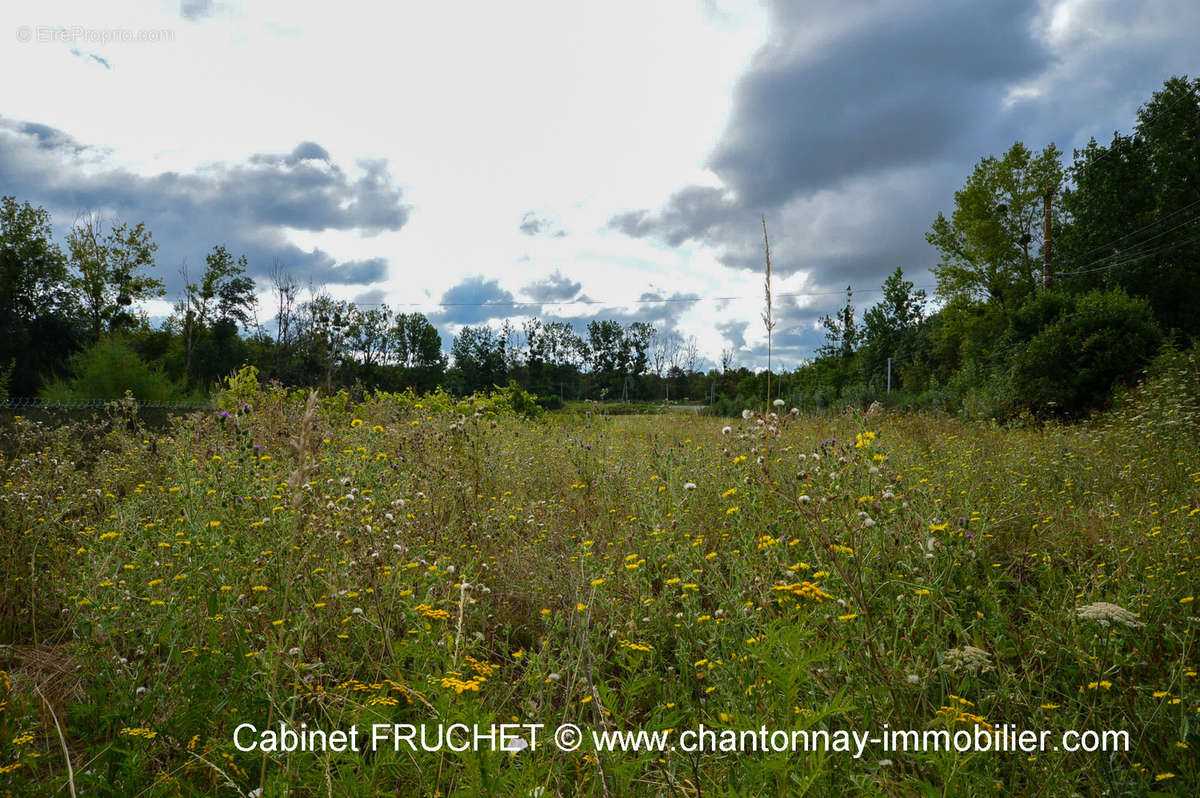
{"x":637,"y":346}
{"x":891,"y":327}
{"x":109,"y":276}
{"x":990,"y":246}
{"x":225,"y":290}
{"x":1134,"y":210}
{"x":841,"y":331}
{"x":606,"y":347}
{"x":367,"y":336}
{"x":478,"y":354}
{"x":415,"y":342}
{"x":554,"y":353}
{"x":224,"y":295}
{"x":323,"y":335}
{"x":37,"y":311}
{"x":415,"y":346}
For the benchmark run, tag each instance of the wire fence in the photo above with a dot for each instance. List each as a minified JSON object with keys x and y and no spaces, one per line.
{"x":85,"y":404}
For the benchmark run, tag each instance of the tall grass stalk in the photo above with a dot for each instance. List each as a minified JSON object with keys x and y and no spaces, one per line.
{"x":768,"y":319}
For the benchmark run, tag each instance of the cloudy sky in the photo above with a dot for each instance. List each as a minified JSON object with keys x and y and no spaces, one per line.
{"x":574,"y":160}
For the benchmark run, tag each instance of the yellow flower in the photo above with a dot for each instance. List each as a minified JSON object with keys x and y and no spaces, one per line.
{"x":356,"y":422}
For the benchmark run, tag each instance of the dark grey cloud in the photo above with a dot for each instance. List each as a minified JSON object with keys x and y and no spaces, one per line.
{"x":359,"y":272}
{"x":533,"y":224}
{"x":554,"y":288}
{"x":901,"y":87}
{"x":796,"y":336}
{"x":46,"y":137}
{"x":691,"y":213}
{"x":733,"y":331}
{"x":245,"y":206}
{"x":475,"y":300}
{"x":375,"y":296}
{"x":1109,"y":59}
{"x":659,"y":309}
{"x":196,"y":9}
{"x":837,"y":98}
{"x":856,"y":122}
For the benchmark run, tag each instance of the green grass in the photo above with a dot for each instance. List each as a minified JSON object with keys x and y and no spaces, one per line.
{"x":432,"y":565}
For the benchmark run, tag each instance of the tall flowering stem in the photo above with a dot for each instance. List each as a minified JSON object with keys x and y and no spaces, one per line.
{"x":768,"y":320}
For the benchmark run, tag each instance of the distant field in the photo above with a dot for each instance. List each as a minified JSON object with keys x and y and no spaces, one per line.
{"x":393,"y":563}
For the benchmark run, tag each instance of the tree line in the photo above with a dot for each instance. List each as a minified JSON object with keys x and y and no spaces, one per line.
{"x":1054,"y":283}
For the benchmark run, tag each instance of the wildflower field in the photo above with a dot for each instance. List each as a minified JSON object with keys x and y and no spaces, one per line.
{"x":406,"y":560}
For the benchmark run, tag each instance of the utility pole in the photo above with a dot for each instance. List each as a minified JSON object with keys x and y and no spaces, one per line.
{"x":1046,"y":238}
{"x":889,"y":375}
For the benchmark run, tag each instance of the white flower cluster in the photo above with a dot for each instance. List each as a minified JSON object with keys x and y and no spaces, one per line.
{"x":1107,"y":614}
{"x":967,"y":659}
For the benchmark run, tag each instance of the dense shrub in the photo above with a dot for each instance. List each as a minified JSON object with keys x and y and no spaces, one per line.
{"x":1079,"y":348}
{"x":108,"y":369}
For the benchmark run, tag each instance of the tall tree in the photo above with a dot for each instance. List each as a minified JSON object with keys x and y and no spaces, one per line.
{"x":990,"y":245}
{"x":899,"y":311}
{"x":36,"y":309}
{"x":1134,"y":210}
{"x":224,"y":297}
{"x":108,"y":267}
{"x":226,"y":290}
{"x":606,"y":345}
{"x":478,"y":357}
{"x":326,"y":323}
{"x":286,"y":290}
{"x":637,"y":343}
{"x":841,"y":331}
{"x":367,"y":335}
{"x":415,"y":342}
{"x":890,"y":327}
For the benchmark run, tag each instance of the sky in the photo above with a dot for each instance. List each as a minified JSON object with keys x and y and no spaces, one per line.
{"x":570,"y":160}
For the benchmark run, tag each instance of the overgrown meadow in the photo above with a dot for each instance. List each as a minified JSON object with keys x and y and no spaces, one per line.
{"x":421,"y":560}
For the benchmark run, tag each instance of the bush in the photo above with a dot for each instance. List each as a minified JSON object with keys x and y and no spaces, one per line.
{"x":510,"y":399}
{"x":1073,"y":361}
{"x":106,"y":370}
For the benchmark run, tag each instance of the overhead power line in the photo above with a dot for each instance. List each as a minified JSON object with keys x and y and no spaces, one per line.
{"x":1134,"y":257}
{"x":1135,"y":252}
{"x":1157,"y":221}
{"x":619,"y":303}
